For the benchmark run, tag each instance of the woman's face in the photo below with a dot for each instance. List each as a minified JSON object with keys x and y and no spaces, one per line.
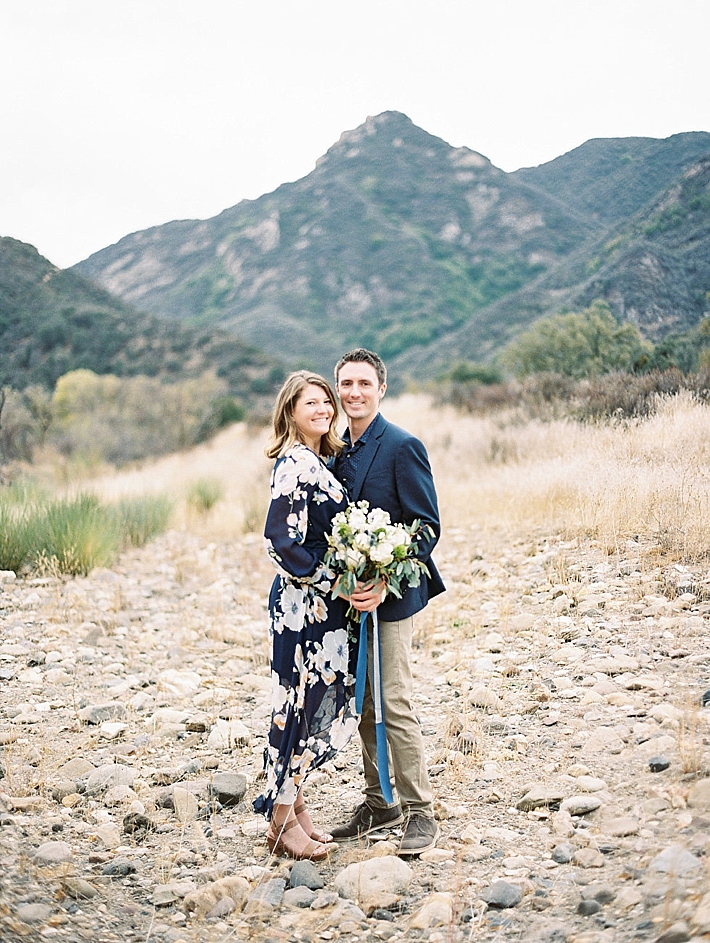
{"x":312,"y":415}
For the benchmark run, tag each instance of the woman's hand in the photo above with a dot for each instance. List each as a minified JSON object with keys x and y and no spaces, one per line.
{"x":368,"y":596}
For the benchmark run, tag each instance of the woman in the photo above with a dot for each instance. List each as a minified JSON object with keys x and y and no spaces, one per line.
{"x":313,"y":697}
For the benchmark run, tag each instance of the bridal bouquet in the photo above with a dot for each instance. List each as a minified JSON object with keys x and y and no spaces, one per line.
{"x":364,"y":546}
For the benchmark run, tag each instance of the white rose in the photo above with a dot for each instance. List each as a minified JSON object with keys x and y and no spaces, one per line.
{"x":382,"y":553}
{"x":354,"y":559}
{"x":378,"y":518}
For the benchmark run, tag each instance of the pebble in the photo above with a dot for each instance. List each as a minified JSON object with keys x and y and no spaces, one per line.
{"x":502,"y":894}
{"x":581,"y":805}
{"x":659,"y":763}
{"x":52,"y":852}
{"x":164,"y":721}
{"x":305,"y":873}
{"x":227,"y":788}
{"x":675,"y":860}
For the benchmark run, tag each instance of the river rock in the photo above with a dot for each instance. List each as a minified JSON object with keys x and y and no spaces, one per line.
{"x":202,"y":900}
{"x":52,"y":852}
{"x":436,"y":911}
{"x":699,"y":795}
{"x":365,"y":880}
{"x":541,"y":796}
{"x":502,"y":894}
{"x":305,"y":873}
{"x":581,"y":805}
{"x":675,"y":860}
{"x":227,"y":788}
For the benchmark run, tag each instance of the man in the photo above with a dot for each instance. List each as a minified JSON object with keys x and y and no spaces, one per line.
{"x":389,"y":468}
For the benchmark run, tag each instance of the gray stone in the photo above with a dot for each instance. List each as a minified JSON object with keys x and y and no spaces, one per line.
{"x":64,"y":788}
{"x":563,"y":853}
{"x":581,"y":805}
{"x":602,"y":893}
{"x":305,"y":873}
{"x":699,"y":795}
{"x":79,"y":889}
{"x":676,"y":933}
{"x":119,"y":867}
{"x":675,"y":860}
{"x":34,"y":913}
{"x":588,"y":907}
{"x":266,"y":896}
{"x":227,"y":788}
{"x":108,"y":775}
{"x":373,"y":878}
{"x":222,"y":908}
{"x":52,"y":852}
{"x":502,"y":894}
{"x":325,"y":899}
{"x":300,"y":896}
{"x":542,"y":796}
{"x":96,"y":714}
{"x":659,"y":763}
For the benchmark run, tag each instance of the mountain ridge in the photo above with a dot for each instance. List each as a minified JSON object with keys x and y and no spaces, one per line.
{"x":426,"y":252}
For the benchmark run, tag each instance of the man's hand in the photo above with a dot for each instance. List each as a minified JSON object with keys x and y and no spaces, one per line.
{"x":368,"y":596}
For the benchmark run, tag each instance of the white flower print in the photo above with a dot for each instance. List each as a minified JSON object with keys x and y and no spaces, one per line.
{"x":335,"y":647}
{"x":343,"y":728}
{"x":293,"y":601}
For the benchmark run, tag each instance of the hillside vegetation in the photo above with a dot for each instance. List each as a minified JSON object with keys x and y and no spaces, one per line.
{"x":54,"y":321}
{"x":429,"y":253}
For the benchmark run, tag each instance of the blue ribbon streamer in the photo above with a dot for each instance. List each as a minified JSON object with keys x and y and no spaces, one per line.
{"x":360,"y":679}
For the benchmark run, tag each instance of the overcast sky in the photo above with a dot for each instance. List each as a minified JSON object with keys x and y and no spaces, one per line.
{"x":117,"y":115}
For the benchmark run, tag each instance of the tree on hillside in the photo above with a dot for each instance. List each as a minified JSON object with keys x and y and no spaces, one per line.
{"x":577,"y":345}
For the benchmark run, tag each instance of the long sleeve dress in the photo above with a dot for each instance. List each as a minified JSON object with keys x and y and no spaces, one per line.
{"x":312,"y":664}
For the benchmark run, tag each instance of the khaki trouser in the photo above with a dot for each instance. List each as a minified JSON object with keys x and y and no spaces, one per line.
{"x":404,"y":736}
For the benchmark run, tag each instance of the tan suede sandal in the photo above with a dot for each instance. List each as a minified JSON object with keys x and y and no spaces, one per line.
{"x":279,"y":845}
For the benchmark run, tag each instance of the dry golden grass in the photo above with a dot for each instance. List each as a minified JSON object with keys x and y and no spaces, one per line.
{"x":647,"y":478}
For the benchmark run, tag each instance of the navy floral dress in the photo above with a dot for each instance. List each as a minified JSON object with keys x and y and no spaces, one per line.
{"x":312,"y":665}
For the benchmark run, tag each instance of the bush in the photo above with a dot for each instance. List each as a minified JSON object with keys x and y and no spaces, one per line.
{"x":76,"y":535}
{"x":73,"y":535}
{"x":141,"y":519}
{"x":120,"y":420}
{"x":577,"y":345}
{"x":203,"y":494}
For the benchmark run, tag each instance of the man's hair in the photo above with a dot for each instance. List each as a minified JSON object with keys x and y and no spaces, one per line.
{"x":361,"y":355}
{"x":284,"y":433}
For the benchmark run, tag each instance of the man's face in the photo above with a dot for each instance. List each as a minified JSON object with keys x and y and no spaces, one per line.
{"x":360,"y":391}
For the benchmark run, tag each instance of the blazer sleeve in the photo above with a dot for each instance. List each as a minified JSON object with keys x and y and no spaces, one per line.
{"x":416,"y":492}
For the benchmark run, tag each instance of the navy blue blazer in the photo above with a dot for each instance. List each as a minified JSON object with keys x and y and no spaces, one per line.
{"x":394,"y":474}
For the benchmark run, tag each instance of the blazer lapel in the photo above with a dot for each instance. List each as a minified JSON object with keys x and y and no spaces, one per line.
{"x":368,"y":454}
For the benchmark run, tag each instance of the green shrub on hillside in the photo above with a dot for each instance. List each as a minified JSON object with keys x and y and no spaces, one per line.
{"x":122,"y":419}
{"x":577,"y":345}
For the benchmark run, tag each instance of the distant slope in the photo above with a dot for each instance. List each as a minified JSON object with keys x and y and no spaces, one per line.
{"x":53,"y":321}
{"x":610,"y":179}
{"x":394,"y":240}
{"x":425,"y":252}
{"x":653,"y":269}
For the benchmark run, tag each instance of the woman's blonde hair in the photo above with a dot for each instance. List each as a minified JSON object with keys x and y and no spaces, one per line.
{"x":284,"y":433}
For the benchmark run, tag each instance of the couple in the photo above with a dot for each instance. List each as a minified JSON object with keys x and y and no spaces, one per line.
{"x":313,"y":663}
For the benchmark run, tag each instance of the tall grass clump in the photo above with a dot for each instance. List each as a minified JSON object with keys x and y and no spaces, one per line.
{"x":17,"y":542}
{"x":73,"y":535}
{"x":77,"y":534}
{"x":203,"y":494}
{"x":143,"y":518}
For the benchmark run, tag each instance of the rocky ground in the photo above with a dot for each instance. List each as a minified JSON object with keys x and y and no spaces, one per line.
{"x":560,"y":692}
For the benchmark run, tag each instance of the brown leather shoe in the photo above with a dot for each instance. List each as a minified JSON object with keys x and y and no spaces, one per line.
{"x":367,"y":820}
{"x":420,"y":835}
